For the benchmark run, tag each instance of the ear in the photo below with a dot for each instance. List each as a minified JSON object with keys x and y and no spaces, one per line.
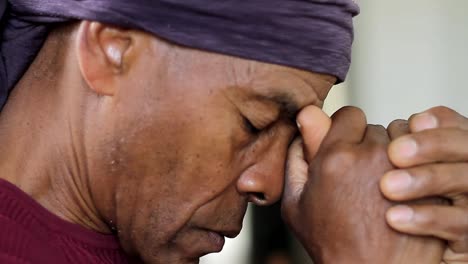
{"x":103,"y":55}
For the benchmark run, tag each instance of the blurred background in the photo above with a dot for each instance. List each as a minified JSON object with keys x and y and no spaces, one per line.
{"x":408,"y":56}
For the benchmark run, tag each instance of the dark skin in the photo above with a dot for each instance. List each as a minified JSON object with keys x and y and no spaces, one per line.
{"x":115,"y":148}
{"x":333,"y":193}
{"x":429,"y":149}
{"x":160,"y":145}
{"x":431,"y":155}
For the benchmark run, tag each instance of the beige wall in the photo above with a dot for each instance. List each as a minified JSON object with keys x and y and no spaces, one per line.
{"x":410,"y":55}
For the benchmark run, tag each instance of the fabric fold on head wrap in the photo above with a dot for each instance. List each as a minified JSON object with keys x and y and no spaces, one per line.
{"x":314,"y":35}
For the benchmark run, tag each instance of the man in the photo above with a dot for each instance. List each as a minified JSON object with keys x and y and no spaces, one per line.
{"x":121,"y":147}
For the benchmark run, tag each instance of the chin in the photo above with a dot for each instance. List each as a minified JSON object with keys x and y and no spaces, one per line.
{"x":185,"y":261}
{"x":157,"y":260}
{"x":170,"y":257}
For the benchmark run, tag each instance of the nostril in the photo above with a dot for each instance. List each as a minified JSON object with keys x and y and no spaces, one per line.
{"x":258,"y":198}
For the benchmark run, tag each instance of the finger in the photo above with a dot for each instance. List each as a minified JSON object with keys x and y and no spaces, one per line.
{"x":451,"y":257}
{"x":437,"y":145}
{"x":376,"y":134}
{"x":314,"y":125}
{"x":398,"y":128}
{"x":437,"y":117}
{"x":348,"y":125}
{"x":296,"y":176}
{"x":446,"y":222}
{"x":448,"y":180}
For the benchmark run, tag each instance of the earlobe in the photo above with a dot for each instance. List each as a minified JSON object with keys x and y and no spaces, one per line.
{"x":101,"y":51}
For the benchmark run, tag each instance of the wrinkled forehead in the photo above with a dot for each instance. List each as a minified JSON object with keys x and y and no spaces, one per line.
{"x":235,"y":71}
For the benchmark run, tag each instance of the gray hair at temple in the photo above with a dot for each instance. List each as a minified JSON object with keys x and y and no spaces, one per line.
{"x":314,"y":35}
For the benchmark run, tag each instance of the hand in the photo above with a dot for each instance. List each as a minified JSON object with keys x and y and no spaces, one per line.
{"x":332,"y":200}
{"x":433,"y":161}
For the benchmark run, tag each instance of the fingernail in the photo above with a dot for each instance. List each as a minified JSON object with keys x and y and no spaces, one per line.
{"x":400,"y":214}
{"x":406,"y":147}
{"x":398,"y":181}
{"x":425,"y":121}
{"x":298,"y":124}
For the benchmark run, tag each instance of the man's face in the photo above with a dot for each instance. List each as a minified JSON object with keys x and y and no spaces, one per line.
{"x":191,"y":138}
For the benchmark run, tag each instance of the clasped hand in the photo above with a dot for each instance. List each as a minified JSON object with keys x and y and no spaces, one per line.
{"x":345,"y":178}
{"x":431,"y":152}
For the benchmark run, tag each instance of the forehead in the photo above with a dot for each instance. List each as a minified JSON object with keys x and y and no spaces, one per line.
{"x":281,"y":83}
{"x":231,"y":68}
{"x":209,"y":70}
{"x":288,"y":81}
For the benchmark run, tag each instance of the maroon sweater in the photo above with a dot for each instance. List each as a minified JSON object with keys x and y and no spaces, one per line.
{"x":29,"y":234}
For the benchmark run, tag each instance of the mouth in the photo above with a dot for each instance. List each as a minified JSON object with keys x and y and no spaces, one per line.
{"x":233,"y":233}
{"x":197,"y":241}
{"x":213,"y":241}
{"x":217,"y":241}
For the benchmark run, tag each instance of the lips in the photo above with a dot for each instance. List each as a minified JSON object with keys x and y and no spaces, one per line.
{"x":217,"y":240}
{"x":198,"y":242}
{"x":229,"y":233}
{"x":195,"y":241}
{"x":210,"y":241}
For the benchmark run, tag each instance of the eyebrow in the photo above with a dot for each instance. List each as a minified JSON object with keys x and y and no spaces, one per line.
{"x":288,"y":106}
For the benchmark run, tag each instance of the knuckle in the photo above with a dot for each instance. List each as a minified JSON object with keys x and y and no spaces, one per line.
{"x":377,"y":127}
{"x":430,"y":172}
{"x":376,"y":134}
{"x":425,"y":175}
{"x":426,"y":220}
{"x":398,"y":128}
{"x":425,"y":179}
{"x":431,"y":141}
{"x":355,"y":111}
{"x":399,"y":124}
{"x":338,"y":161}
{"x":447,"y":115}
{"x":442,"y":110}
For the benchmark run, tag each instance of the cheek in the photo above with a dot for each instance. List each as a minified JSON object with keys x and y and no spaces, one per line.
{"x":165,"y":179}
{"x":176,"y":157}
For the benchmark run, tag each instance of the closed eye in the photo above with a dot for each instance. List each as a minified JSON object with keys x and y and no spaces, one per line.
{"x":250,"y":128}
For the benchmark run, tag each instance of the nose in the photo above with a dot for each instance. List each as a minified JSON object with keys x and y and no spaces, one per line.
{"x":263,"y":181}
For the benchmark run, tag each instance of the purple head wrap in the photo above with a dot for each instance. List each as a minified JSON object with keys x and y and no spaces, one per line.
{"x":314,"y":35}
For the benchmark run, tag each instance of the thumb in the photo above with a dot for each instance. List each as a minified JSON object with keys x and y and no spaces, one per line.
{"x":296,"y":178}
{"x":314,"y":125}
